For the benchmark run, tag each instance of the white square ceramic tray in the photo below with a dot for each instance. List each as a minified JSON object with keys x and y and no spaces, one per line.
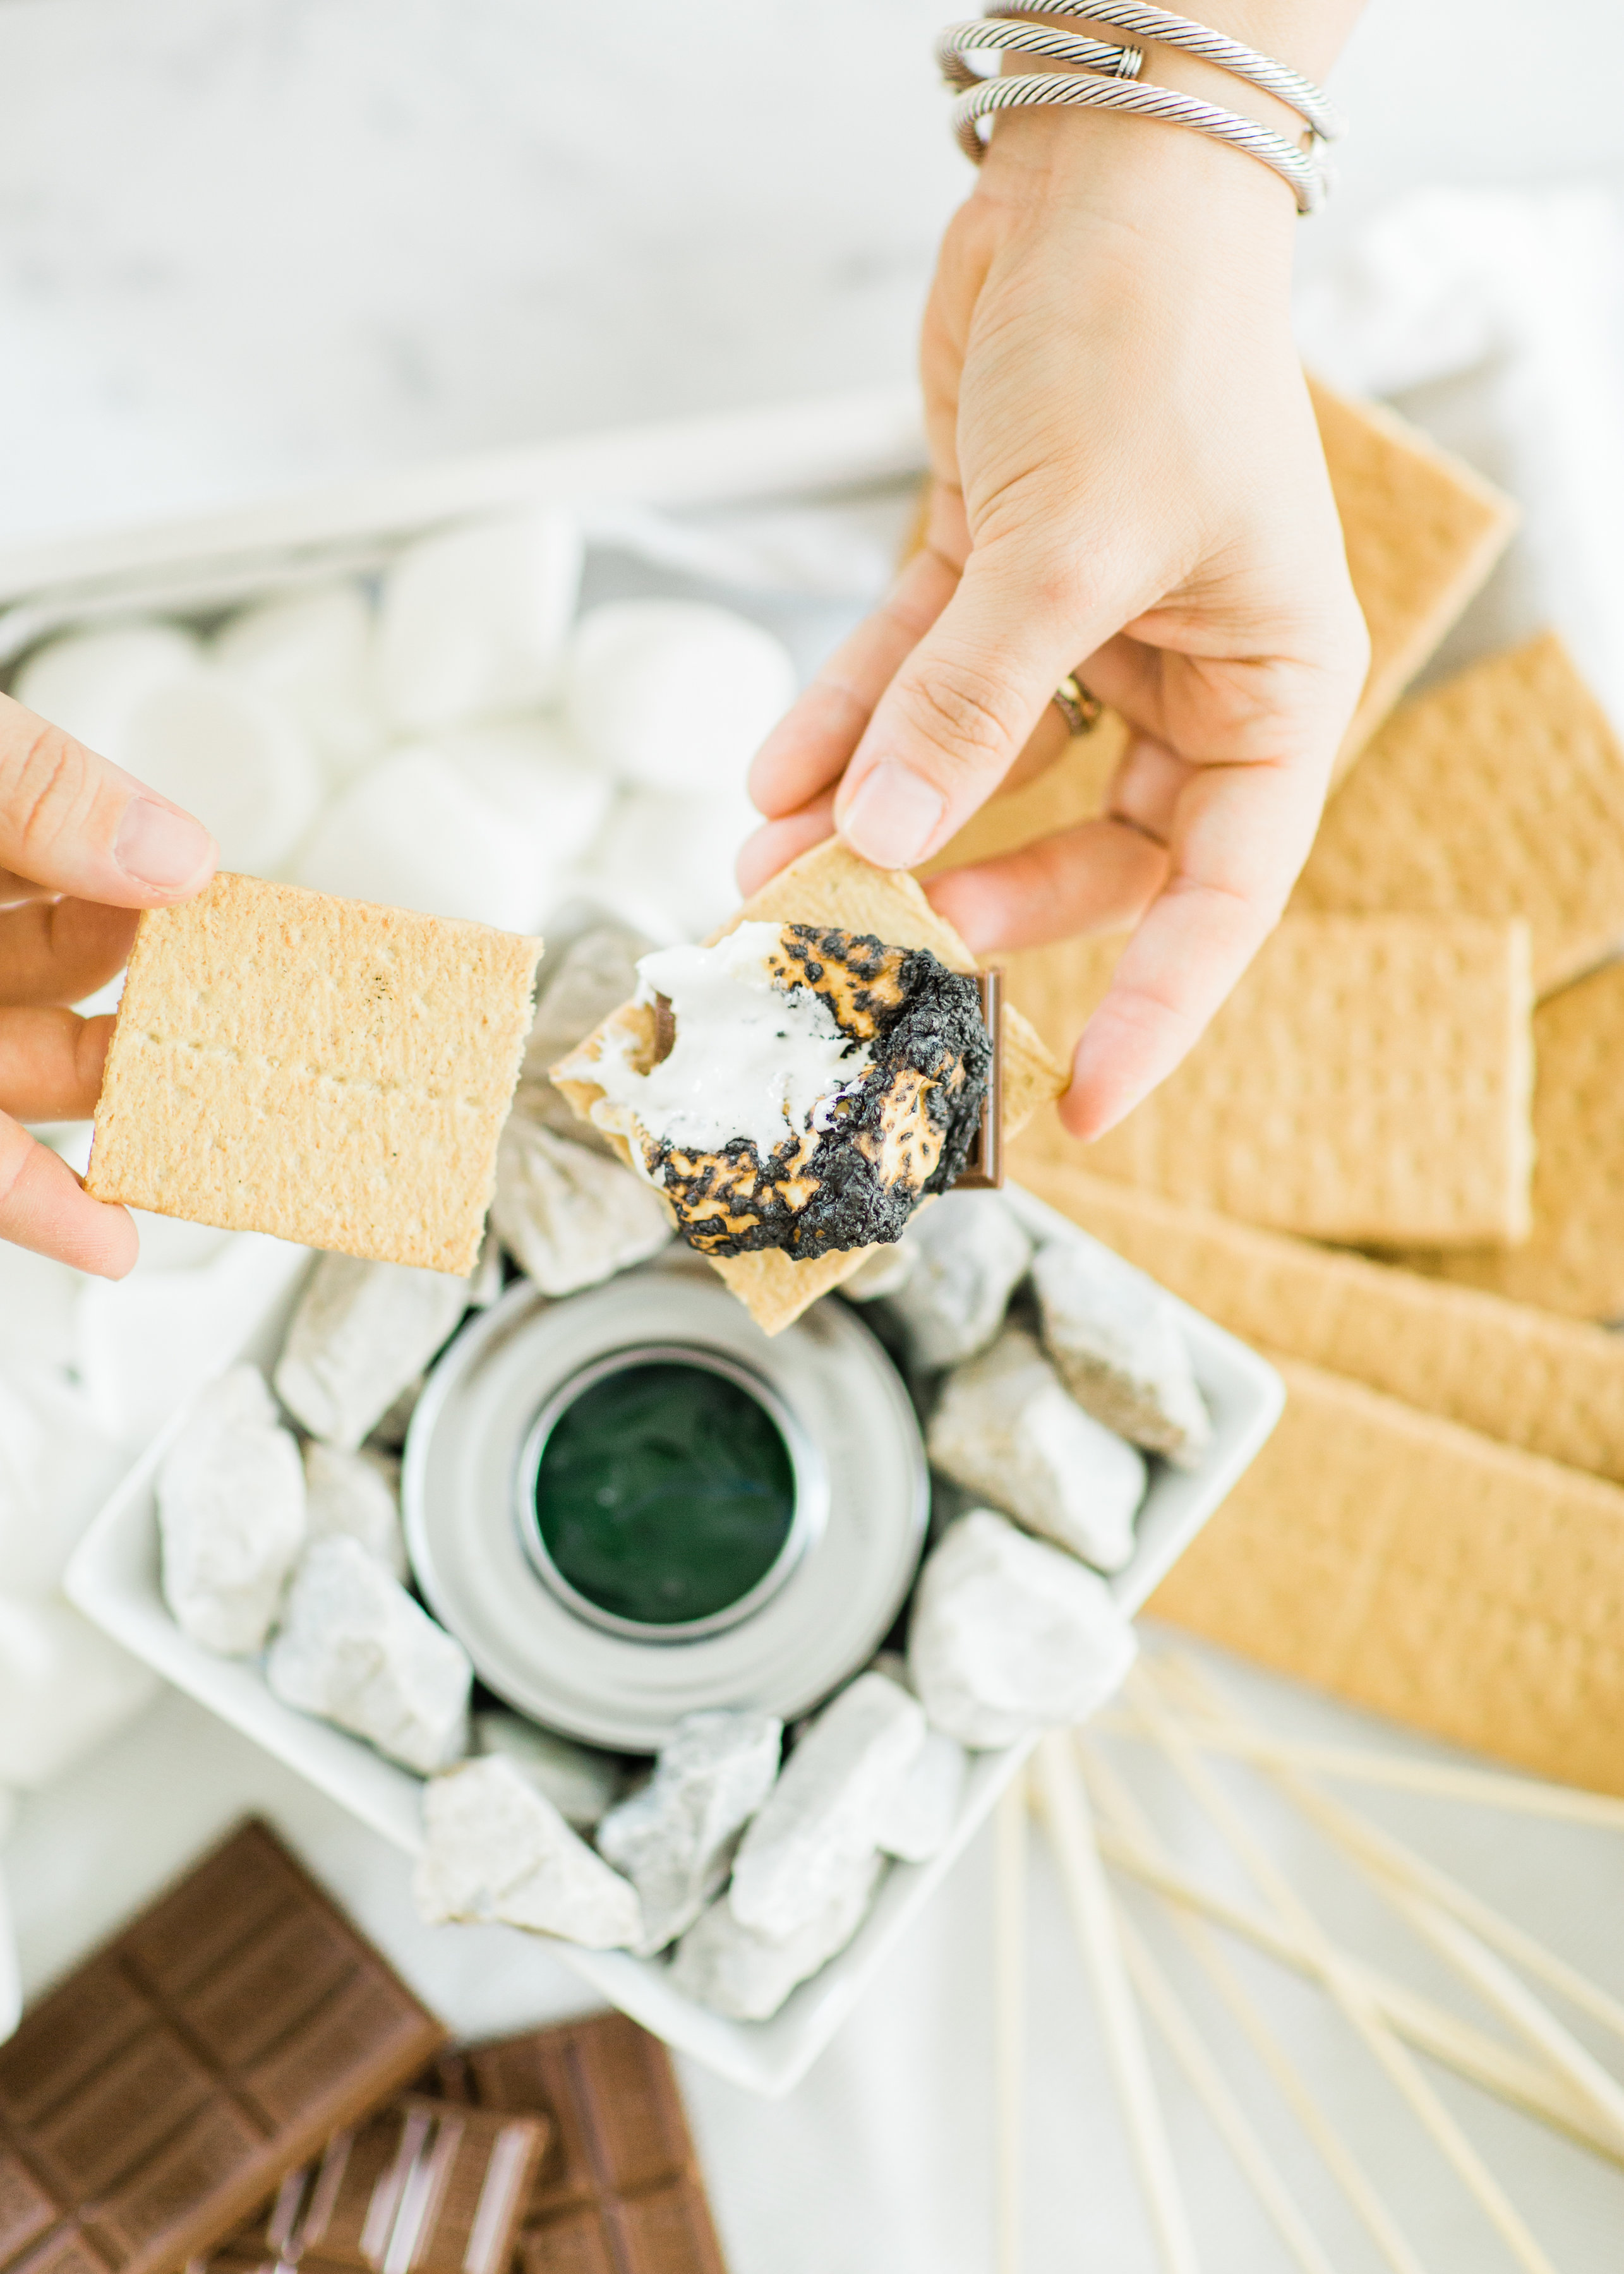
{"x":114,"y":1578}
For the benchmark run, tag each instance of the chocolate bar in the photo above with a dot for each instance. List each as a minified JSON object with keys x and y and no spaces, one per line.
{"x":423,"y":2188}
{"x":620,"y":2191}
{"x":173,"y":2082}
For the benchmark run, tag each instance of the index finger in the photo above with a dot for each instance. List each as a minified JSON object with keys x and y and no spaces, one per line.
{"x":75,"y":823}
{"x":1240,"y":836}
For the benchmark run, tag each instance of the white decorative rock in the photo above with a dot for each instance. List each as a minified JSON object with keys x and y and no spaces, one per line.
{"x":1009,"y":1635}
{"x":675,"y":857}
{"x":362,"y":1332}
{"x":582,"y":1784}
{"x":674,"y":1838}
{"x":496,"y":1849}
{"x":1115,"y":1338}
{"x":311,"y":652}
{"x":88,"y":683}
{"x":596,"y":975}
{"x":544,"y":784}
{"x":725,"y":1965}
{"x":231,"y":1515}
{"x":358,"y":1495}
{"x":824,"y":1815}
{"x":1005,"y":1426}
{"x":413,"y":832}
{"x":969,"y":1254}
{"x":354,"y":1647}
{"x":675,"y":695}
{"x":565,"y":1215}
{"x":65,"y":1690}
{"x":472,"y":623}
{"x":238,"y":761}
{"x":882,"y":1271}
{"x":924,"y":1808}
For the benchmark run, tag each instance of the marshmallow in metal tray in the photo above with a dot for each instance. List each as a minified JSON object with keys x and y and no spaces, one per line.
{"x":1005,"y":1426}
{"x":919,"y":1819}
{"x":582,"y":1784}
{"x":472,"y":622}
{"x":413,"y":832}
{"x":746,"y":1976}
{"x":568,"y":1216}
{"x":311,"y":652}
{"x":358,"y":1494}
{"x":969,"y":1254}
{"x":361,"y":1333}
{"x":1009,"y":1635}
{"x":88,"y":683}
{"x":496,"y":1849}
{"x":674,"y":1838}
{"x":354,"y":1647}
{"x":238,"y":761}
{"x":824,"y":1813}
{"x":675,"y":855}
{"x":545,"y":787}
{"x":1115,"y":1337}
{"x":231,"y":1515}
{"x":65,"y":1690}
{"x":675,"y":695}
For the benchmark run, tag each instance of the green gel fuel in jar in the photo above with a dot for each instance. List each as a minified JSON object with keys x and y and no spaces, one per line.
{"x":665,"y":1492}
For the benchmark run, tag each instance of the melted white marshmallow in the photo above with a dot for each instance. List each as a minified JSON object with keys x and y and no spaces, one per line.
{"x":749,"y":1060}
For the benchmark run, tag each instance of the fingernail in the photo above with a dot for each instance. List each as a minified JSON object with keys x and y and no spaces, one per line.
{"x":158,"y":847}
{"x":893,"y":817}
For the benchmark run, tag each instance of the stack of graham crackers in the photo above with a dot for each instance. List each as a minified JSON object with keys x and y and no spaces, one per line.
{"x":1425,"y":1064}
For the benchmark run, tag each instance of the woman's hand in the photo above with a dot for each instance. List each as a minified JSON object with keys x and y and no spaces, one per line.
{"x":1128,"y":483}
{"x":83,"y":846}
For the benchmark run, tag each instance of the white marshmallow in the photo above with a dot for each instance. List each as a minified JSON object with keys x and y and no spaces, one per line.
{"x":581,"y":1783}
{"x":568,"y":1216}
{"x":358,"y":1494}
{"x":39,"y":1303}
{"x":919,"y":1820}
{"x":354,"y":1647}
{"x":311,"y":652}
{"x":674,"y":1838}
{"x":240,"y":763}
{"x":675,"y":695}
{"x":675,"y":855}
{"x":56,"y":1467}
{"x":411,"y":833}
{"x":725,"y":1965}
{"x":497,"y":1848}
{"x":824,"y":1815}
{"x":65,"y":1690}
{"x":88,"y":683}
{"x":472,"y":622}
{"x":1115,"y":1338}
{"x":1006,"y":1426}
{"x":361,"y":1333}
{"x":231,"y":1515}
{"x":544,"y":785}
{"x":969,"y":1254}
{"x":1008,"y":1634}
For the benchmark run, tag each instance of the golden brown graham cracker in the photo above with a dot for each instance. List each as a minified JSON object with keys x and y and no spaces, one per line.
{"x":330,"y":1072}
{"x":1499,"y":794}
{"x":1367,"y":1072}
{"x":1553,"y":1385}
{"x":1410,"y":1565}
{"x":1573,"y":1260}
{"x":830,"y":885}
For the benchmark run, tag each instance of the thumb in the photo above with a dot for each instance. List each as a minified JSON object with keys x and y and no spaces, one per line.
{"x":74,"y":823}
{"x":957,"y":714}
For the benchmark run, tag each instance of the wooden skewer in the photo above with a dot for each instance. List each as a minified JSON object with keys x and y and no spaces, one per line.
{"x":1482,"y":2060}
{"x":1010,"y":2016}
{"x":1067,"y":1816}
{"x":1333,"y":2151}
{"x":1157,"y":1996}
{"x":1350,"y":1994}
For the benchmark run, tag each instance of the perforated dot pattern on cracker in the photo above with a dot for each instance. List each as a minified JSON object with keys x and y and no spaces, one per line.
{"x":1368,"y":1073}
{"x":1525,"y":1376}
{"x":1499,"y":794}
{"x":1456,"y":1585}
{"x":330,"y":1072}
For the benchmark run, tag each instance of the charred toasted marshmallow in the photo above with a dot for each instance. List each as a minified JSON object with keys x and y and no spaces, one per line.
{"x":816,"y":1086}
